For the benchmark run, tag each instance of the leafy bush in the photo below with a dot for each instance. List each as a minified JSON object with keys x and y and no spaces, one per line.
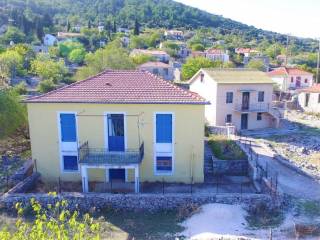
{"x":21,"y":88}
{"x":46,"y":86}
{"x":13,"y":114}
{"x":226,"y":149}
{"x":77,"y":55}
{"x":52,"y":222}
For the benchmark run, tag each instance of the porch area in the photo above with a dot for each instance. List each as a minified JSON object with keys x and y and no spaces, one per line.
{"x":115,"y":164}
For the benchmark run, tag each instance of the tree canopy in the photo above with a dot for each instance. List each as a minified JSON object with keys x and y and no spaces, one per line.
{"x":193,"y":65}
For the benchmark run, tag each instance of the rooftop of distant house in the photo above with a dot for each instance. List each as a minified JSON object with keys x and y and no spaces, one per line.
{"x":174,"y":32}
{"x":235,"y":76}
{"x":245,"y":50}
{"x":215,"y":51}
{"x":155,"y":65}
{"x":313,"y":89}
{"x":285,"y":71}
{"x":68,"y":35}
{"x":121,"y":87}
{"x":147,"y":51}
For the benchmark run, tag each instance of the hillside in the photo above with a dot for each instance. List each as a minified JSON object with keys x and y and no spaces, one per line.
{"x":149,"y":13}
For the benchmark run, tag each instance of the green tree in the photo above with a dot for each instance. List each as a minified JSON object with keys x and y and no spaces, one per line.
{"x":48,"y":69}
{"x":113,"y":56}
{"x":46,"y":85}
{"x":193,"y":65}
{"x":256,"y":64}
{"x":77,"y":55}
{"x":142,"y":58}
{"x":13,"y":114}
{"x":136,"y":27}
{"x":197,"y":47}
{"x":52,"y":221}
{"x":66,"y":48}
{"x":11,"y":65}
{"x":13,"y":34}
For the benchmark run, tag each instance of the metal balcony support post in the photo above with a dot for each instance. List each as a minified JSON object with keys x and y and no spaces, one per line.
{"x":136,"y":179}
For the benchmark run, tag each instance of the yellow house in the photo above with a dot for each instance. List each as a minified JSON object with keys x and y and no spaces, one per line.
{"x":124,"y":125}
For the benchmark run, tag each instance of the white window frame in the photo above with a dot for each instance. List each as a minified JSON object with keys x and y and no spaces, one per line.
{"x":65,"y":153}
{"x":156,"y":172}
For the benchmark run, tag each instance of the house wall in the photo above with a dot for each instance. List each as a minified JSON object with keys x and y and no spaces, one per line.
{"x":216,"y":113}
{"x":208,"y":90}
{"x":224,"y":108}
{"x":188,"y":138}
{"x":161,"y":72}
{"x":313,"y":105}
{"x":285,"y":82}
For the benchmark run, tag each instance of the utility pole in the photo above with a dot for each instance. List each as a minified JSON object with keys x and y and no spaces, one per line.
{"x":318,"y":62}
{"x":287,"y":49}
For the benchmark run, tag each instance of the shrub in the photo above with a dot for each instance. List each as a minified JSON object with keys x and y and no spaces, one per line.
{"x":46,"y":86}
{"x":51,"y":222}
{"x":226,"y":149}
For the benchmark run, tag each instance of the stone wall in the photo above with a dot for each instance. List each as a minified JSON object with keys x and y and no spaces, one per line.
{"x":148,"y":202}
{"x":222,"y":130}
{"x":230,"y":167}
{"x":26,"y":184}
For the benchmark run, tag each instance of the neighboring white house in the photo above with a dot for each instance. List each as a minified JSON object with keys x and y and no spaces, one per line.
{"x":247,"y":52}
{"x":49,"y":40}
{"x":290,"y":78}
{"x":183,"y":51}
{"x":174,"y":34}
{"x":239,"y":97}
{"x":309,"y":99}
{"x":217,"y":55}
{"x":159,"y":68}
{"x":159,"y":55}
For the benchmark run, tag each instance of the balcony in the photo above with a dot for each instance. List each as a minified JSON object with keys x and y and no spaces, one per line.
{"x":102,"y":156}
{"x":257,"y":107}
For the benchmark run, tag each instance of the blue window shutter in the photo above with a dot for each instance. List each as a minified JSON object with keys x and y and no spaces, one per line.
{"x":68,"y":127}
{"x":164,"y":128}
{"x":70,"y":163}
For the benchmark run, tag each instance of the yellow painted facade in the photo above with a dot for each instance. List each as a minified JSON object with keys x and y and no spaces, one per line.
{"x":188,"y":130}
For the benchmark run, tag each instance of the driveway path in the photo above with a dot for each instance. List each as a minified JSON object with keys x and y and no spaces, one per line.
{"x":289,"y":181}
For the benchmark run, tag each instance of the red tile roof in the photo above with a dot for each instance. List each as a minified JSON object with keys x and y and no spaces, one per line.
{"x":121,"y":87}
{"x":285,"y":71}
{"x":313,"y":89}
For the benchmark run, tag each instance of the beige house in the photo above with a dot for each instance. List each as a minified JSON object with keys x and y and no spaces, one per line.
{"x":161,"y":69}
{"x":159,"y":55}
{"x":240,"y":97}
{"x":288,"y":78}
{"x":309,"y":99}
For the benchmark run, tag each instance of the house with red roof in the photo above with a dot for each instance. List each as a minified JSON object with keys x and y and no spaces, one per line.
{"x":118,"y":127}
{"x":160,"y":69}
{"x":309,"y":99}
{"x":291,"y":78}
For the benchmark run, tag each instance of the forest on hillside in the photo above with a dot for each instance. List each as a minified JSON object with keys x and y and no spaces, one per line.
{"x":36,"y":17}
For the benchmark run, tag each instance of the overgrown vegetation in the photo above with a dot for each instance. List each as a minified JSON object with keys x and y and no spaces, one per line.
{"x":51,"y":222}
{"x":225,"y":149}
{"x":260,"y":215}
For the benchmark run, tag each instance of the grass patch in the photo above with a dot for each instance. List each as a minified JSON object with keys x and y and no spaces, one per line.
{"x":226,"y":149}
{"x":260,"y":215}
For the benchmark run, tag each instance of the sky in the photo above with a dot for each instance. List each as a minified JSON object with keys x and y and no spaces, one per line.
{"x":296,"y":17}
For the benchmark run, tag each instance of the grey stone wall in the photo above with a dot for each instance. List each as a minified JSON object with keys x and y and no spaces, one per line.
{"x":230,"y":167}
{"x":26,"y":184}
{"x":148,"y":202}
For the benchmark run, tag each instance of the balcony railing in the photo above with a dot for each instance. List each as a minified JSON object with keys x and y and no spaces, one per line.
{"x":102,"y":156}
{"x":257,"y":107}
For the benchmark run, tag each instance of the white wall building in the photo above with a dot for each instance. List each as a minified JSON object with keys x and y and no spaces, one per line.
{"x":217,"y":55}
{"x":289,"y":79}
{"x":49,"y":40}
{"x":240,"y":97}
{"x":159,"y":68}
{"x":309,"y":99}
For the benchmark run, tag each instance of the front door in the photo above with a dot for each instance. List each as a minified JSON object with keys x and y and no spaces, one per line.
{"x":116,"y":133}
{"x":245,"y":100}
{"x":244,"y":121}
